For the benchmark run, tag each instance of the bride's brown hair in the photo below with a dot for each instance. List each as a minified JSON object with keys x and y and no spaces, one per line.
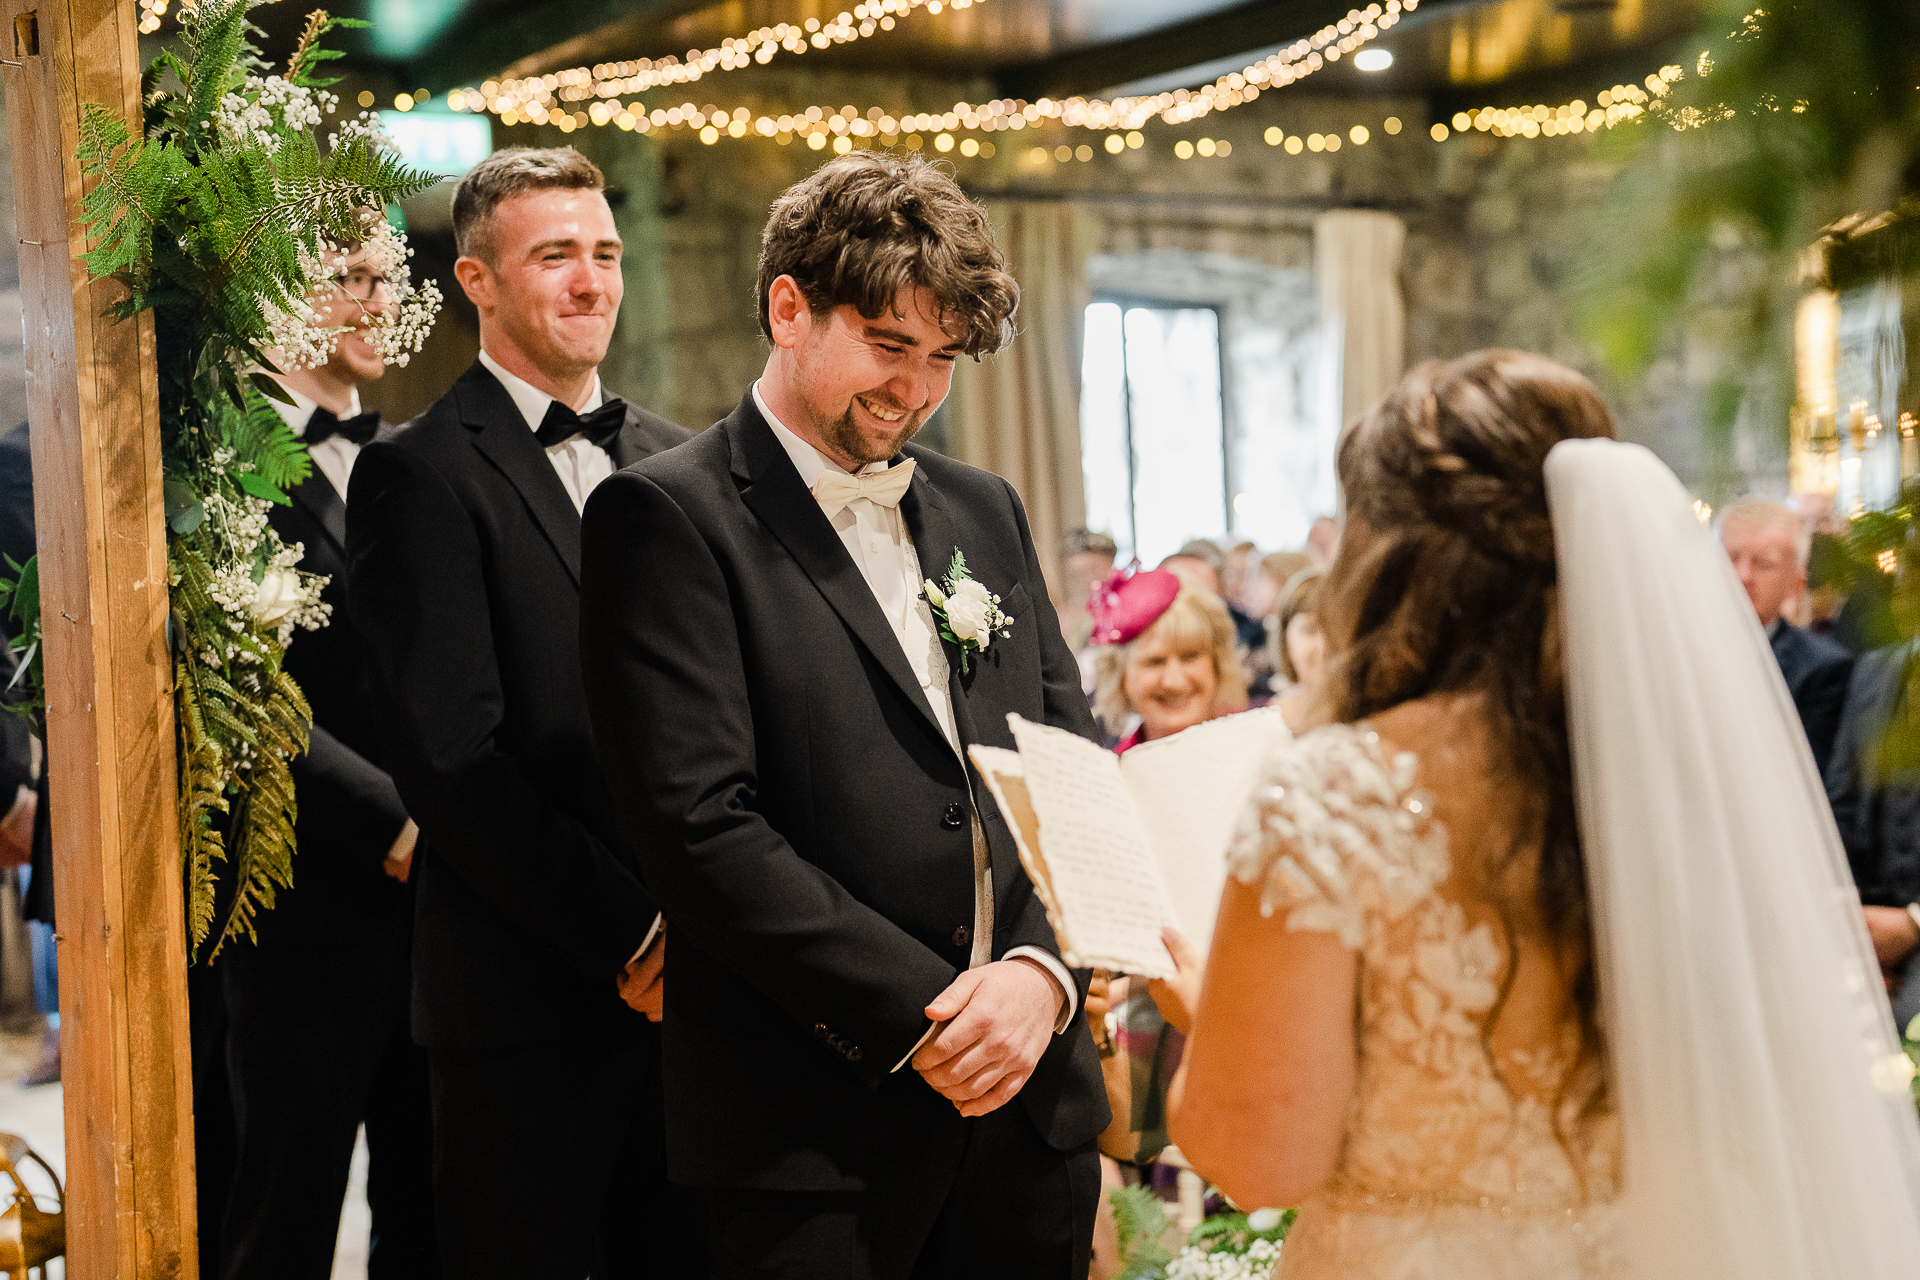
{"x":1450,"y":587}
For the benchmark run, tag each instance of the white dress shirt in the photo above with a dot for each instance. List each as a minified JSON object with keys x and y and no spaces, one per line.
{"x":335,"y":455}
{"x":876,"y":537}
{"x":579,"y":462}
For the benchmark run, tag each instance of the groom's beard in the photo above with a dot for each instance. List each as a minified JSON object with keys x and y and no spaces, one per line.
{"x":848,"y":440}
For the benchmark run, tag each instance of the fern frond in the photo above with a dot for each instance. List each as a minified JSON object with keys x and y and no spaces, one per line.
{"x":263,"y":437}
{"x":1142,"y":1225}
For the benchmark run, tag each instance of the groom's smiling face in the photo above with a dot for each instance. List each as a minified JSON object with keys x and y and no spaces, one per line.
{"x":856,"y":388}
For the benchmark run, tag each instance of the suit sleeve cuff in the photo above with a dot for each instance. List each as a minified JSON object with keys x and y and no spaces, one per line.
{"x":1051,"y":963}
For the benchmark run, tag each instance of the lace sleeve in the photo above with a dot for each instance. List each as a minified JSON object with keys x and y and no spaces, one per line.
{"x":1333,"y":833}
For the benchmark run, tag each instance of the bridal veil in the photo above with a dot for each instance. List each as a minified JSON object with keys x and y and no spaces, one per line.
{"x":1769,"y":1133}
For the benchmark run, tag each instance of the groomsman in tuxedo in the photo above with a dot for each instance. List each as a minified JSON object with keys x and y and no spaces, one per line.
{"x":530,"y":984}
{"x":317,"y":1036}
{"x":877,"y":1065}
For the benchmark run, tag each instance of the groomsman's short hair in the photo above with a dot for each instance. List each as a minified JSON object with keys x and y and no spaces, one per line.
{"x":869,"y":226}
{"x":510,"y":172}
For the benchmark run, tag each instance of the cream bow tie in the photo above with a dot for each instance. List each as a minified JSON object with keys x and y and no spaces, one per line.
{"x":835,"y":489}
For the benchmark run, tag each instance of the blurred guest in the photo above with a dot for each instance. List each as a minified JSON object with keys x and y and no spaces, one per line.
{"x":1201,"y":561}
{"x":317,"y":1008}
{"x":1873,"y":783}
{"x":1769,"y":545}
{"x":1300,"y":645}
{"x":1276,"y":570}
{"x":1238,"y":569}
{"x":18,"y":545}
{"x":1324,"y":539}
{"x":1090,"y":558}
{"x":1169,"y":657}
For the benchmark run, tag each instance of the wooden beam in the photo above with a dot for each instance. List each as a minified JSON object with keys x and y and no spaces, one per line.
{"x":93,"y":403}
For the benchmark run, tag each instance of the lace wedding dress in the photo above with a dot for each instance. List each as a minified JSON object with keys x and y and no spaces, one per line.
{"x":1466,"y":1155}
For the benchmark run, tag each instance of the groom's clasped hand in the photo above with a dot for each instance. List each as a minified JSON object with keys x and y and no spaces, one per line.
{"x":993,"y":1024}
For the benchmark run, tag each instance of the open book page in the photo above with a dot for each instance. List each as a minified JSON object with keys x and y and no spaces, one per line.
{"x":1006,"y":778}
{"x":1102,"y":870}
{"x":1190,"y":790}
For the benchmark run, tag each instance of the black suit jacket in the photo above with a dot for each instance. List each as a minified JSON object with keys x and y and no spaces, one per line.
{"x":350,"y":811}
{"x":1876,"y":806}
{"x":1816,"y":670}
{"x":465,"y":552}
{"x":797,"y":810}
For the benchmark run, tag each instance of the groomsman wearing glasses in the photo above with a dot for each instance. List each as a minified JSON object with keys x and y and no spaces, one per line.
{"x":533,"y":980}
{"x":877,"y":1064}
{"x":318,"y":1042}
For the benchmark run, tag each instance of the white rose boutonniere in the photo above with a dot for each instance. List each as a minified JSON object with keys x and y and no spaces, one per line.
{"x":968,"y":614}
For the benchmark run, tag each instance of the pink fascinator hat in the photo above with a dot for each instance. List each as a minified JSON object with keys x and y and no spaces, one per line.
{"x":1129,"y":602}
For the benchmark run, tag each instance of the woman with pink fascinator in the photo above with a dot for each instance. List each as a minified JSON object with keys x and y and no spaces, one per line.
{"x":1167,"y":657}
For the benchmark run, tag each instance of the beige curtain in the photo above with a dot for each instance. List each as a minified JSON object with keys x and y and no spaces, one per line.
{"x":1356,"y":268}
{"x":1017,"y":413}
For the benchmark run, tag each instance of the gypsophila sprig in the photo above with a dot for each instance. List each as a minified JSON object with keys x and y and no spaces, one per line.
{"x":230,"y":222}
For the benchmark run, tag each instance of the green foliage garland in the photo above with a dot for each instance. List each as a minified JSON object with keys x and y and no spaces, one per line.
{"x":1225,"y":1245}
{"x":225,"y":219}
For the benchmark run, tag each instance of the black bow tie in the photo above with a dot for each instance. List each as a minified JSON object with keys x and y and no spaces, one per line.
{"x":359,"y":428}
{"x":600,"y":426}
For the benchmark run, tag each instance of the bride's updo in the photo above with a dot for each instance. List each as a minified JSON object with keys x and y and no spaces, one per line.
{"x":1445,"y":584}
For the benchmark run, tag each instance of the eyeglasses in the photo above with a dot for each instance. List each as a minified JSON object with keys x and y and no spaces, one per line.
{"x":363,"y":284}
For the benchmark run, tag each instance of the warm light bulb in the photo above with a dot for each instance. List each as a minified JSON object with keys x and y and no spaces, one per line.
{"x":1373,"y":59}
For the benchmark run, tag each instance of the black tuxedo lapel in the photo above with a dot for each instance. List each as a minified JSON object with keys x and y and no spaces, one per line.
{"x":628,"y":446}
{"x":502,"y":434}
{"x":773,"y":492}
{"x":317,"y":497}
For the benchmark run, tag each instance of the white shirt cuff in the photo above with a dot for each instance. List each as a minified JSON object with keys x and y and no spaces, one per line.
{"x":1051,"y":963}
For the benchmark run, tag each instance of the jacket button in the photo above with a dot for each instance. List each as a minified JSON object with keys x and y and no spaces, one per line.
{"x":853,"y":1054}
{"x":962,"y":936}
{"x":953,"y":818}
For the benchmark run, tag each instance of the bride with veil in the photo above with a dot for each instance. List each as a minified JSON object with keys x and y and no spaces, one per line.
{"x":1541,"y":958}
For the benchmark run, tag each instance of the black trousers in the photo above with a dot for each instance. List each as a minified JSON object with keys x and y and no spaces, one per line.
{"x":213,"y":1142}
{"x":550,"y":1162}
{"x":317,"y":1044}
{"x":1011,"y":1208}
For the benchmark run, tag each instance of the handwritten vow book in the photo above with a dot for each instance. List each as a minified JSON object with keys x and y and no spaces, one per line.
{"x":1118,"y":846}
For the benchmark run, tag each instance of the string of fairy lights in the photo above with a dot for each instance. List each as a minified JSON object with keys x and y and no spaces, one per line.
{"x":556,"y":98}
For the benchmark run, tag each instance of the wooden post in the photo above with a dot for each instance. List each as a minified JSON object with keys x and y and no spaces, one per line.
{"x":93,"y":403}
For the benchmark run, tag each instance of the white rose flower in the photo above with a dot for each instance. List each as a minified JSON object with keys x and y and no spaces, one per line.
{"x":278,"y":594}
{"x":967,"y":617}
{"x":968,"y":589}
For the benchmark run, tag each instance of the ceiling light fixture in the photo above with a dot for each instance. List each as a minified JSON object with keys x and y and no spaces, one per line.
{"x":1373,"y":59}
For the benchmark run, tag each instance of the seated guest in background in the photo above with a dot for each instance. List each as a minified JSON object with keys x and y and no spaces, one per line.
{"x":1324,"y":539}
{"x":1769,"y":545}
{"x":1275,"y":571}
{"x":1168,"y":656}
{"x":318,"y":1037}
{"x":1239,"y":567}
{"x":1300,"y":646}
{"x":1201,"y":561}
{"x":530,"y":985}
{"x":1089,"y":559}
{"x":18,"y":544}
{"x":1873,"y":783}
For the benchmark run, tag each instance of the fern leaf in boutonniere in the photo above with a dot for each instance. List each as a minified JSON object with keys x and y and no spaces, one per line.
{"x":969,"y":615}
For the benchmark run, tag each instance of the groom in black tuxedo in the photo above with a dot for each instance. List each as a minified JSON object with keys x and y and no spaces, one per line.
{"x":876,"y":1063}
{"x":529,"y":982}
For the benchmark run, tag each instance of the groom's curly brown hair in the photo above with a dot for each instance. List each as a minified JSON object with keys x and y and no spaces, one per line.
{"x":868,"y":226}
